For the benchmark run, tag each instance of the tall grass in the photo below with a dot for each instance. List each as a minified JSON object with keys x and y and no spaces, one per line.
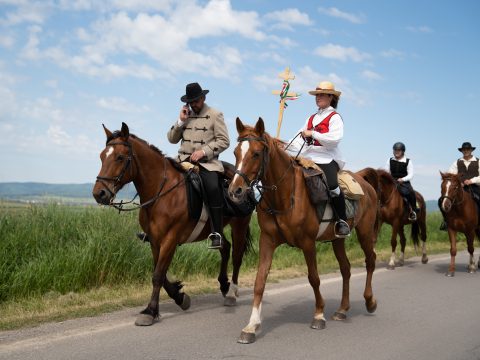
{"x":63,"y":249}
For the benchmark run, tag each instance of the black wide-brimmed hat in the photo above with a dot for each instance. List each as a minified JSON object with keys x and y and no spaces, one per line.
{"x":193,"y":92}
{"x":466,"y":145}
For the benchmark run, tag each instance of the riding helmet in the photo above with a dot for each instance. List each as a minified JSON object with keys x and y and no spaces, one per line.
{"x":399,"y":146}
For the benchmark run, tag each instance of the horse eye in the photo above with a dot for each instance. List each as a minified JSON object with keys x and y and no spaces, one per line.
{"x":256,"y":155}
{"x":120,"y":158}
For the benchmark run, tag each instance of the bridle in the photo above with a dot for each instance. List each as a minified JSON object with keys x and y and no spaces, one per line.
{"x":453,"y":199}
{"x":117,"y":179}
{"x":255,"y":182}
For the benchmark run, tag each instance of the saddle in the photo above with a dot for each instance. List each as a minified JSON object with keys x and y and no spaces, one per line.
{"x":196,"y":195}
{"x":317,"y":188}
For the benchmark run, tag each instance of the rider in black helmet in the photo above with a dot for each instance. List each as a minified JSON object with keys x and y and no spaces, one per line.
{"x":401,"y":168}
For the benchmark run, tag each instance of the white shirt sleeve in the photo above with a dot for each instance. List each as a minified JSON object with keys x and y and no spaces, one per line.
{"x":387,"y":166}
{"x":454,"y":168}
{"x":332,"y":138}
{"x":409,"y":171}
{"x":476,"y":179}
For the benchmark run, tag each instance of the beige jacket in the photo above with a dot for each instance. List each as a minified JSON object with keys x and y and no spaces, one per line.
{"x":205,"y":131}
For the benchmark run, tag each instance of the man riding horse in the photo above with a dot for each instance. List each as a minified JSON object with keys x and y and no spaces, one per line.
{"x":468,"y":169}
{"x":203,"y":135}
{"x":401,"y":169}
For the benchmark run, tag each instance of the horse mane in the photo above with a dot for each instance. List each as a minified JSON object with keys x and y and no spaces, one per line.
{"x":118,"y":134}
{"x":270,"y":142}
{"x":383,"y":174}
{"x":450,"y":176}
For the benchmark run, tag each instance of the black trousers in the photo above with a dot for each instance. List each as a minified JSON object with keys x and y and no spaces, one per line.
{"x":212,"y":187}
{"x":406,"y":190}
{"x":331,"y":173}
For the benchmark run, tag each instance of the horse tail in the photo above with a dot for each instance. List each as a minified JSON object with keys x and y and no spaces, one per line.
{"x":414,"y":233}
{"x":370,"y":175}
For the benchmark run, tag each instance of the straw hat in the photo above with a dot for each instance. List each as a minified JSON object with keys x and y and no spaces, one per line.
{"x":325,"y":87}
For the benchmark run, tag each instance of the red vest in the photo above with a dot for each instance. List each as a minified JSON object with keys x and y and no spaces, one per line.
{"x":323,"y":127}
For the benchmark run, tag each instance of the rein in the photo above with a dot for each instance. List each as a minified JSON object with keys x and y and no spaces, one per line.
{"x":116,"y":179}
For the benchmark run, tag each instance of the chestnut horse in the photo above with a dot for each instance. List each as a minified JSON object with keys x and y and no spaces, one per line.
{"x":164,"y":214}
{"x":394,"y":212}
{"x":461,"y":215}
{"x":286,"y":215}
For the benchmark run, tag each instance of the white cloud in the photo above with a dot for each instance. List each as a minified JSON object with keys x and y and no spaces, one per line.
{"x":420,"y":29}
{"x":165,"y":41}
{"x":392,"y":53}
{"x":334,"y":12}
{"x":6,"y":41}
{"x":26,"y":12}
{"x":286,"y":19}
{"x":120,"y":105}
{"x":371,"y":75}
{"x":341,"y":53}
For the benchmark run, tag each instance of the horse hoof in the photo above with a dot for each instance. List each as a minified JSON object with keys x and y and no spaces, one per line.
{"x":450,"y":274}
{"x":144,"y":320}
{"x":424,"y":259}
{"x":339,"y":316}
{"x":318,"y":324}
{"x":186,"y":302}
{"x":401,"y":263}
{"x":472,"y":271}
{"x":372,"y":308}
{"x":390,"y":267}
{"x":230,"y":301}
{"x":246,"y":338}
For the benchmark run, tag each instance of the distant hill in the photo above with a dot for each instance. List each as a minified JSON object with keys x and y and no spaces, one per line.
{"x":431,"y":205}
{"x":34,"y":191}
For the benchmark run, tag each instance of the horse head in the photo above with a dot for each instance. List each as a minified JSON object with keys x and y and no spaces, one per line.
{"x":250,"y":159}
{"x":451,"y":191}
{"x":117,"y":169}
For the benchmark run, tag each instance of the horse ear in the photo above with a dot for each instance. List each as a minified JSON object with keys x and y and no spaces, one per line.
{"x":260,"y":126}
{"x":441,"y":173}
{"x":240,"y":126}
{"x":125,"y":131}
{"x":107,"y":132}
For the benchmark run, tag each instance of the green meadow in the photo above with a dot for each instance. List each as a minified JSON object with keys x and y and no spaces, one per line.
{"x":62,"y":261}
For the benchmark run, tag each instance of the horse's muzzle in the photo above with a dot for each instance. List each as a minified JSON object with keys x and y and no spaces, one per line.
{"x":102,"y":196}
{"x":237,"y":193}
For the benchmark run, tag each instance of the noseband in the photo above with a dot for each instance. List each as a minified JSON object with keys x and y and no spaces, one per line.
{"x":116,"y":179}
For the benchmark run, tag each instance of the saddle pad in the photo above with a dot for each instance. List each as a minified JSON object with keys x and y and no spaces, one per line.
{"x":350,"y":187}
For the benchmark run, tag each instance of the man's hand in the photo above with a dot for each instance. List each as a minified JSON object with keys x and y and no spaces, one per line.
{"x":468,"y":182}
{"x":184,"y":113}
{"x":400,"y":181}
{"x":197,"y":155}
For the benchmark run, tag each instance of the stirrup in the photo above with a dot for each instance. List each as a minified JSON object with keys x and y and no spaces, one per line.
{"x":340,"y":221}
{"x":215,"y":240}
{"x":412,"y":216}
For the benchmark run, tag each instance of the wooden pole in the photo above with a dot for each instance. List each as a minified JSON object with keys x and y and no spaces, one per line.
{"x":285,"y":75}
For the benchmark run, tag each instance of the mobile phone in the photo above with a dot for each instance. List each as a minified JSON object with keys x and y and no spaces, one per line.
{"x":186,"y":110}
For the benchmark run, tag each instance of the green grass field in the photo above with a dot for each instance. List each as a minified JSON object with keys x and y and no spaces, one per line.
{"x":55,"y":253}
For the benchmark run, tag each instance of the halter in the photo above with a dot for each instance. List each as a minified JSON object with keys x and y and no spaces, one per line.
{"x":452,"y":200}
{"x":254,"y":183}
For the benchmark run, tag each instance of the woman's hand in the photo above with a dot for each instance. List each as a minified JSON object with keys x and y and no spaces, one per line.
{"x":307,"y":134}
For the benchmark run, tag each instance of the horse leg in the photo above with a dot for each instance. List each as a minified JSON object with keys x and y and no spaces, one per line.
{"x":403,"y":243}
{"x":452,"y":235}
{"x":175,"y":291}
{"x":267,"y":248}
{"x":310,"y":254}
{"x":341,"y":255}
{"x":240,"y":238}
{"x":423,"y":236}
{"x":366,"y":237}
{"x":393,"y":242}
{"x":471,"y":268}
{"x":150,"y":313}
{"x":223,"y":276}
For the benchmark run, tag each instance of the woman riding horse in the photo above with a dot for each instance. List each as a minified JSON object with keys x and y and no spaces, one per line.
{"x":323,"y":132}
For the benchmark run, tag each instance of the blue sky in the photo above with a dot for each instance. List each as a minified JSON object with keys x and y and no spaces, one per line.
{"x":408,"y":71}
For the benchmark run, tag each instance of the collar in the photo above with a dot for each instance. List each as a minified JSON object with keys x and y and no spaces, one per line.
{"x":324,"y":111}
{"x":402,"y":159}
{"x":203,"y":111}
{"x":473,"y":158}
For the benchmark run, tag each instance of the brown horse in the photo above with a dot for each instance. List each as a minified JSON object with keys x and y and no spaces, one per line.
{"x":461,"y":215}
{"x":286,"y":215}
{"x":164,"y":214}
{"x":394,"y":212}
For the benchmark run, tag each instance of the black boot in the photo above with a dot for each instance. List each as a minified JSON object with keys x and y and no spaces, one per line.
{"x":443,"y":226}
{"x":143,"y":236}
{"x":216,"y":236}
{"x":341,"y":227}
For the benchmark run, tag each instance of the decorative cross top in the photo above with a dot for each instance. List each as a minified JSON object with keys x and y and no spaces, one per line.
{"x":285,"y":95}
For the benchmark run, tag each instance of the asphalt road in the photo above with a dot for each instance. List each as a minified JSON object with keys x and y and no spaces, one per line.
{"x":421,"y":315}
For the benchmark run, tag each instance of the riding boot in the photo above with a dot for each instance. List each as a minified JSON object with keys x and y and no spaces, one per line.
{"x":216,"y":236}
{"x":412,"y":216}
{"x":341,"y":227}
